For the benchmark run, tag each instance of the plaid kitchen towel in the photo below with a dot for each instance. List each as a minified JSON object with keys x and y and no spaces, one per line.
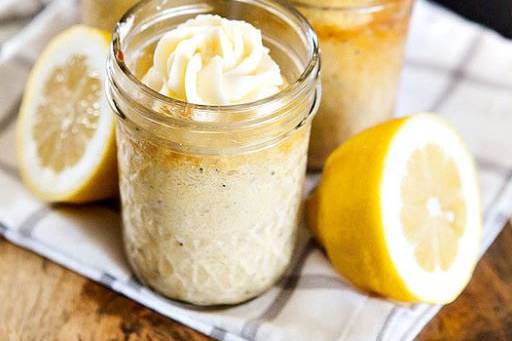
{"x":454,"y":67}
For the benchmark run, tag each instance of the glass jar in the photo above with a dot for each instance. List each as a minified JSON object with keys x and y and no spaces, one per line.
{"x":104,"y":14}
{"x":362,"y":44}
{"x":211,"y":195}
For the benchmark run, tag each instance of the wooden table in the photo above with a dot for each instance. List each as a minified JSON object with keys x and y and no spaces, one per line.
{"x":40,"y":300}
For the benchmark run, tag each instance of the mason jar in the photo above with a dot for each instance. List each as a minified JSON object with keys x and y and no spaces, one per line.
{"x":104,"y":14}
{"x":362,"y":44}
{"x":211,"y":195}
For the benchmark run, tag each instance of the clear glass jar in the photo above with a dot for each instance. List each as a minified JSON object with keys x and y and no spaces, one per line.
{"x":362,"y":44}
{"x":104,"y":14}
{"x":211,"y":195}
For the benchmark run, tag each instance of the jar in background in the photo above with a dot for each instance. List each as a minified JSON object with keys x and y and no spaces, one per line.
{"x":362,"y":46}
{"x":211,"y":195}
{"x":104,"y":14}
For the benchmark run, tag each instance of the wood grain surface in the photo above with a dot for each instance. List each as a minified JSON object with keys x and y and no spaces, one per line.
{"x":40,"y":300}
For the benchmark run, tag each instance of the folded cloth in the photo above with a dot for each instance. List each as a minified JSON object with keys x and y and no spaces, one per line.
{"x":17,"y":10}
{"x":454,"y":67}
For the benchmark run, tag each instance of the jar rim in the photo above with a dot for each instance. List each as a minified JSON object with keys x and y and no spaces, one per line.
{"x":370,"y":6}
{"x":293,"y":89}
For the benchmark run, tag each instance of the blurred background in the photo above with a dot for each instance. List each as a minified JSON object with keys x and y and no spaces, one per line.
{"x":496,"y":14}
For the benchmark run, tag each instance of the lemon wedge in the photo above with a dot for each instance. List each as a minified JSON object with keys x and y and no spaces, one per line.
{"x":65,"y":130}
{"x":397,"y":210}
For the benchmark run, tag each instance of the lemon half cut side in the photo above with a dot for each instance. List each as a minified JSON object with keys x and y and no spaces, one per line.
{"x":398,"y":211}
{"x":431,"y":212}
{"x":65,"y":130}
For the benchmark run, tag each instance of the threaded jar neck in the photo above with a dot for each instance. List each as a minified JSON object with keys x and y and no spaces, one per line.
{"x":207,"y":129}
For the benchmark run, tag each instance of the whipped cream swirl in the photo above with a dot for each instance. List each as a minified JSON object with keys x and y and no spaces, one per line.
{"x":215,"y":61}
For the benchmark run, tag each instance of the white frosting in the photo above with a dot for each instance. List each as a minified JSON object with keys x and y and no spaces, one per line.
{"x":215,"y":61}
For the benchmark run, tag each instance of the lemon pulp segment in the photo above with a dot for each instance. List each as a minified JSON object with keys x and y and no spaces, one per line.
{"x":433,"y":212}
{"x":68,"y":115}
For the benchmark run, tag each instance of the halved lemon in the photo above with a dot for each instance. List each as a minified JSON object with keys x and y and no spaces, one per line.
{"x":65,"y":130}
{"x":398,"y":212}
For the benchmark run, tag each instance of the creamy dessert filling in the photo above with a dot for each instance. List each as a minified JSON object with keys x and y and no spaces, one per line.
{"x":215,"y":61}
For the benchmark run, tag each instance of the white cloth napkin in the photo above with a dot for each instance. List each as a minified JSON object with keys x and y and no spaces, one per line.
{"x":18,"y":10}
{"x":454,"y":67}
